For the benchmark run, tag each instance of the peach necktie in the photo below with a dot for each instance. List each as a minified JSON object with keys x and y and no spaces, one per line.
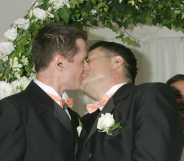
{"x":93,"y":107}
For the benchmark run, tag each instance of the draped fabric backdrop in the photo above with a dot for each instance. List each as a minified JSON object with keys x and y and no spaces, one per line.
{"x":159,"y":58}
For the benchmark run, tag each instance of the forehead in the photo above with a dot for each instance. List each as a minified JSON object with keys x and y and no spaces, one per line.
{"x":81,"y":45}
{"x":81,"y":52}
{"x":96,"y":53}
{"x":179,"y":83}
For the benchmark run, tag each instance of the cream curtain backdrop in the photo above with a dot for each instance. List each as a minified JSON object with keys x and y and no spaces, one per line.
{"x":160,"y":56}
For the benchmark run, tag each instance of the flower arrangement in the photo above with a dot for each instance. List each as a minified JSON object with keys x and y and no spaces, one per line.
{"x":16,"y":68}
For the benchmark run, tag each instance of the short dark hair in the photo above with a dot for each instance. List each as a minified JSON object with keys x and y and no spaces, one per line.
{"x":175,"y":78}
{"x":52,"y":39}
{"x":113,"y":48}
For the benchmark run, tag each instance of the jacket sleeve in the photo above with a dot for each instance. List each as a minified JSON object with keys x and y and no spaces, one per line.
{"x":12,"y":133}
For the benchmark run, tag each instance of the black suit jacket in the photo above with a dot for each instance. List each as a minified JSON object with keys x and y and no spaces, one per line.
{"x":151,"y":127}
{"x":30,"y":130}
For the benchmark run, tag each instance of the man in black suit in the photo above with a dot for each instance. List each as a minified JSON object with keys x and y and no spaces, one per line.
{"x":131,"y":123}
{"x":177,"y":86}
{"x":36,"y":125}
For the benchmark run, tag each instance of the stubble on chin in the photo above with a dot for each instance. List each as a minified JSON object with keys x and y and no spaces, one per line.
{"x":83,"y":85}
{"x":89,"y":83}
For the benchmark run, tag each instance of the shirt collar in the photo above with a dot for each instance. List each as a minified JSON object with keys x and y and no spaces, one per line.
{"x":49,"y":89}
{"x":114,"y":88}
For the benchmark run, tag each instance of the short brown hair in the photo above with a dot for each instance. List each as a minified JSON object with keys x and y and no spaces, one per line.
{"x":175,"y":78}
{"x":113,"y":48}
{"x":52,"y":39}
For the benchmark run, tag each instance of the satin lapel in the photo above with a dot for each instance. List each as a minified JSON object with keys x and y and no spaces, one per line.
{"x":41,"y":100}
{"x":121,"y":93}
{"x":93,"y":129}
{"x":109,"y":106}
{"x":63,"y":118}
{"x":75,"y":124}
{"x":44,"y":103}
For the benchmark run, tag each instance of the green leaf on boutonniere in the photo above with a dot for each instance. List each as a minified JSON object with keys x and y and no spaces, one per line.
{"x":117,"y":125}
{"x":79,"y":128}
{"x":106,"y":123}
{"x":80,"y":123}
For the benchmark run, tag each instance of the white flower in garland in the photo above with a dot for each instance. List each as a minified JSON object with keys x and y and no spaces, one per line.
{"x":16,"y":86}
{"x":15,"y":65}
{"x":5,"y":88}
{"x":49,"y":14}
{"x":11,"y":34}
{"x":93,"y":12}
{"x":22,"y":23}
{"x":56,"y":4}
{"x":6,"y":48}
{"x":39,"y":13}
{"x":20,"y":84}
{"x":24,"y":60}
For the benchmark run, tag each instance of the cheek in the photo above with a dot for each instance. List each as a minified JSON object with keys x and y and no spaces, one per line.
{"x":94,"y":75}
{"x":78,"y":70}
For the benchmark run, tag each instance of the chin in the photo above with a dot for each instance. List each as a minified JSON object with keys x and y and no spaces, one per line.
{"x":82,"y":87}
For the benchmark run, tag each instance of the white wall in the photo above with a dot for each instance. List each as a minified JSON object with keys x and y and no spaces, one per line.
{"x":10,"y":10}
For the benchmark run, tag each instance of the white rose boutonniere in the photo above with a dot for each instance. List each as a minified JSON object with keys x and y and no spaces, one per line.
{"x":79,"y":128}
{"x":106,"y":123}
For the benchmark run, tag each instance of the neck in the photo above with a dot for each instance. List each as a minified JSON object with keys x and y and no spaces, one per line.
{"x":50,"y":79}
{"x":99,"y":90}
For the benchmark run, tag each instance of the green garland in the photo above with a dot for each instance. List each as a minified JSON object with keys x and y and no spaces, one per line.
{"x":118,"y":15}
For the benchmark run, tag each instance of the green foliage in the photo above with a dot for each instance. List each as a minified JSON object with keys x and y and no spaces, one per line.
{"x":117,"y":15}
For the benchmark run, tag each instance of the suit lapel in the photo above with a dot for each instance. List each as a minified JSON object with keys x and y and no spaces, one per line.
{"x":63,"y":118}
{"x":107,"y":108}
{"x":41,"y":100}
{"x":44,"y":103}
{"x":121,"y":93}
{"x":75,"y":124}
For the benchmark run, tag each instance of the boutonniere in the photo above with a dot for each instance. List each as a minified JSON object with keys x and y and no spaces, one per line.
{"x":79,"y":128}
{"x":106,"y":123}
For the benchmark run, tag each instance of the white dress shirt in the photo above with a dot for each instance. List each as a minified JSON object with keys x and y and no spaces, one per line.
{"x":112,"y":90}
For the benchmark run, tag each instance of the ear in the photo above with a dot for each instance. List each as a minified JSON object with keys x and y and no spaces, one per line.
{"x":117,"y":61}
{"x":58,"y":62}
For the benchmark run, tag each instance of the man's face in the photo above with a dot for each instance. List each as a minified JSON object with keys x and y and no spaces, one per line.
{"x":178,"y":89}
{"x":74,"y":69}
{"x":97,"y":69}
